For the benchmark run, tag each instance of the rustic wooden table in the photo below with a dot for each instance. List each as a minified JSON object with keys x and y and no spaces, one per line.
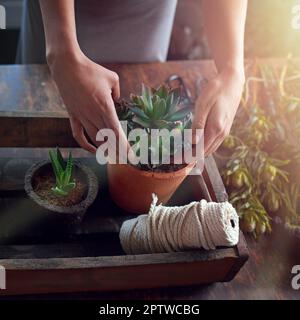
{"x":267,"y":275}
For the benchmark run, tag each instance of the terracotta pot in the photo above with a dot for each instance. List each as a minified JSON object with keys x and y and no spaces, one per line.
{"x":132,"y":188}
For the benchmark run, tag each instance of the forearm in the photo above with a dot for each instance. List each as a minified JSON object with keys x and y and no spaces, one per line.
{"x":224,"y":21}
{"x":60,"y":28}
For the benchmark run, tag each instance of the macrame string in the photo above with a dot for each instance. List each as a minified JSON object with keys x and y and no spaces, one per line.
{"x":169,"y":229}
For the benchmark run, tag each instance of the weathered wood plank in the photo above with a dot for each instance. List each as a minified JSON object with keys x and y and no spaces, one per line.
{"x":214,"y":181}
{"x":85,"y":279}
{"x":30,"y":87}
{"x":87,"y":245}
{"x":120,"y":260}
{"x":35,"y":131}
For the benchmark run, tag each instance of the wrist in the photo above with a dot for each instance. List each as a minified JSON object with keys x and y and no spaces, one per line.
{"x":233,"y":66}
{"x":234,"y":71}
{"x":64,"y":55}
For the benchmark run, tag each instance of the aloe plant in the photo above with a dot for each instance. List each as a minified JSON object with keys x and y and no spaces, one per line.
{"x":63,"y":173}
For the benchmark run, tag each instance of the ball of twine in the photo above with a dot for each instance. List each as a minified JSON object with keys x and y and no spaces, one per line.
{"x":170,"y":229}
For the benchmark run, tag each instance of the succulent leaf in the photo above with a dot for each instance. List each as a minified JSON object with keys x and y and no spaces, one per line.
{"x":60,"y":159}
{"x":162,"y":92}
{"x":169,"y":102}
{"x":59,"y":192}
{"x":68,"y":169}
{"x":139,"y":113}
{"x":182,"y":113}
{"x":147,"y":98}
{"x":57,"y":169}
{"x":63,"y":173}
{"x":70,"y":186}
{"x":141,"y":122}
{"x":159,"y":109}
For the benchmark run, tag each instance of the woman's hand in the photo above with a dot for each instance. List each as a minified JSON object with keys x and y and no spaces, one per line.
{"x":88,"y":91}
{"x":216,"y":107}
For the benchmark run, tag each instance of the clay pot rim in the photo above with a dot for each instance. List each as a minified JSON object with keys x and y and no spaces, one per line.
{"x":92,"y":182}
{"x":159,"y":175}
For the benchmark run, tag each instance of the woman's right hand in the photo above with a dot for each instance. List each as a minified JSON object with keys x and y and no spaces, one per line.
{"x":88,"y":91}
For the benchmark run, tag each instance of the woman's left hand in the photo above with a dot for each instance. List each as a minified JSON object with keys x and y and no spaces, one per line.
{"x":216,"y":107}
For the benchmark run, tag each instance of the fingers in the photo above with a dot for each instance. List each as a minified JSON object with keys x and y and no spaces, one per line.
{"x":79,"y":136}
{"x":91,"y":130}
{"x":112,"y":121}
{"x":215,"y":132}
{"x":116,"y":87}
{"x":216,"y":146}
{"x":203,"y":106}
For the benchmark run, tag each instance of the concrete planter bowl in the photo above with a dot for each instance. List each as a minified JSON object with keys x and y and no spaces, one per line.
{"x":55,"y":215}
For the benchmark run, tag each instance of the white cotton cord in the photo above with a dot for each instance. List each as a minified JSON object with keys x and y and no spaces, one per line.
{"x":170,"y":229}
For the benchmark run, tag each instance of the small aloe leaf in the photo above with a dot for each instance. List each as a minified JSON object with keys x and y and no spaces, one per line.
{"x":70,"y":186}
{"x":62,"y":175}
{"x":68,"y":170}
{"x":60,"y":159}
{"x":57,"y":169}
{"x":60,"y":192}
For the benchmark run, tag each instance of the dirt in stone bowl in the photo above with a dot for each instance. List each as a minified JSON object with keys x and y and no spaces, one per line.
{"x":44,"y":180}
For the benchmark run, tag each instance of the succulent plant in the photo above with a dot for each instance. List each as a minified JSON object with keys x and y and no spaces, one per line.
{"x":159,"y":108}
{"x":63,"y":173}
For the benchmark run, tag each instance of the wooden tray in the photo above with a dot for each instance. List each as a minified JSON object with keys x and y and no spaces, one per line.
{"x":89,"y":257}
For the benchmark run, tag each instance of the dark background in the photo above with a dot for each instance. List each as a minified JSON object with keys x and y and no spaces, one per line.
{"x":268,"y":32}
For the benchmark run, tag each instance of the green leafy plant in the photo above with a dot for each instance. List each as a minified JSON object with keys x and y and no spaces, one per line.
{"x":262,"y":153}
{"x":160,"y":108}
{"x":63,"y":173}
